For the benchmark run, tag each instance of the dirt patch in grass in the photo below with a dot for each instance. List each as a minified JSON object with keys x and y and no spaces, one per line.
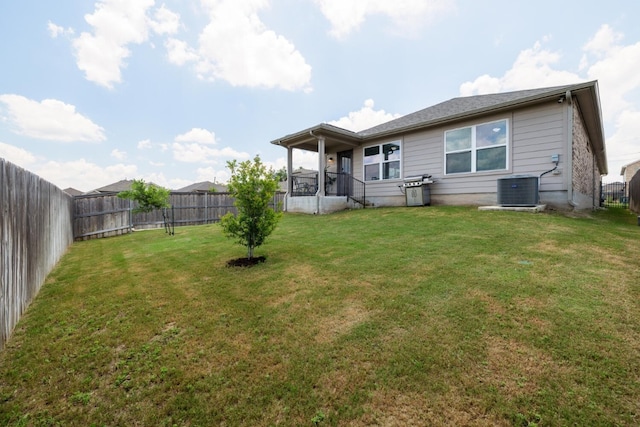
{"x":453,"y":408}
{"x":493,"y":306}
{"x":552,"y":247}
{"x":517,"y":369}
{"x":246,"y":262}
{"x":293,"y":285}
{"x":341,"y":323}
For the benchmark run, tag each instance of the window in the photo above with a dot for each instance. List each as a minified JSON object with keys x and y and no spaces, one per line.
{"x":477,"y":148}
{"x":382,"y":161}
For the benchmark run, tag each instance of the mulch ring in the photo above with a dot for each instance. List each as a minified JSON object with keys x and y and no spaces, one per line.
{"x":246,"y":262}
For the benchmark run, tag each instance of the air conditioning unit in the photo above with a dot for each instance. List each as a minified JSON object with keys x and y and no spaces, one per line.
{"x":518,"y":190}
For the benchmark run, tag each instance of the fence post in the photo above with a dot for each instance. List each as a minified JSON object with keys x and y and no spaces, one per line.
{"x":130,"y":215}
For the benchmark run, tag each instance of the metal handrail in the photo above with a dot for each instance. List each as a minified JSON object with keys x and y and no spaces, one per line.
{"x":335,"y":184}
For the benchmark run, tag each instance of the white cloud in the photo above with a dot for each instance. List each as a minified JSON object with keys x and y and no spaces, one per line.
{"x":50,"y":120}
{"x":166,"y":21}
{"x":212,"y":174}
{"x":179,"y":52}
{"x":118,"y":154}
{"x":83,"y":175}
{"x":198,"y":135}
{"x":364,"y":118}
{"x":237,"y":47}
{"x":605,"y":59}
{"x":79,"y":174}
{"x":407,"y":16}
{"x":201,"y":153}
{"x":305,"y":159}
{"x":532,"y":69}
{"x":56,"y":30}
{"x":145,"y":144}
{"x":158,"y":179}
{"x":16,"y":155}
{"x":117,"y":24}
{"x":623,"y":146}
{"x":615,"y":67}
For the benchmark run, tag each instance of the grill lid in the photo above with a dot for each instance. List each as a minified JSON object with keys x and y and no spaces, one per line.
{"x":417,"y":180}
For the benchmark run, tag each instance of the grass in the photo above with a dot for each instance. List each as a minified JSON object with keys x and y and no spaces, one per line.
{"x":406,"y":316}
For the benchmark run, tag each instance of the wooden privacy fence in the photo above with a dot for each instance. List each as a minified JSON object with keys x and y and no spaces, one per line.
{"x":39,"y":221}
{"x":634,"y":193}
{"x":106,"y":215}
{"x":35,"y":227}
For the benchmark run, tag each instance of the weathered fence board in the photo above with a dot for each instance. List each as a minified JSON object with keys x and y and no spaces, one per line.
{"x":634,"y":193}
{"x":35,"y":226}
{"x":38,"y":222}
{"x":106,"y":215}
{"x":101,"y":215}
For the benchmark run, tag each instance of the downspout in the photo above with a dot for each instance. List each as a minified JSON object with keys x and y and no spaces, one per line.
{"x":593,"y":182}
{"x":569,"y":175}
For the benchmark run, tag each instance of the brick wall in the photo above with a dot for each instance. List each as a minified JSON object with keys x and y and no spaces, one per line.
{"x":586,"y":177}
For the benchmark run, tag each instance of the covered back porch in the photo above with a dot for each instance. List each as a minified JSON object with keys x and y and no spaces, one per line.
{"x":333,"y":188}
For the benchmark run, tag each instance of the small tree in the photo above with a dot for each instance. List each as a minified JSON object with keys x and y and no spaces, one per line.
{"x":148,"y":196}
{"x":281,"y":174}
{"x":253,"y":186}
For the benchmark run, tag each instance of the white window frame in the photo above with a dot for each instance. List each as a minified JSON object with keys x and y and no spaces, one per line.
{"x":474,"y":149}
{"x":382,"y":161}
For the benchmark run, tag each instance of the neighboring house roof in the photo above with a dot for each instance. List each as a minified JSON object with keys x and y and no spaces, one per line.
{"x":115,"y":187}
{"x":72,"y":191}
{"x":303,"y":171}
{"x":633,"y":165}
{"x":203,"y":187}
{"x":462,"y":108}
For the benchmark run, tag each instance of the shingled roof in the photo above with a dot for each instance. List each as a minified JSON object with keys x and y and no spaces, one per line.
{"x":462,"y":106}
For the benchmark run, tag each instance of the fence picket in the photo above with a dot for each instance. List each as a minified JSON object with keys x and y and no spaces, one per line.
{"x":36,"y":230}
{"x":39,"y":221}
{"x":106,"y":215}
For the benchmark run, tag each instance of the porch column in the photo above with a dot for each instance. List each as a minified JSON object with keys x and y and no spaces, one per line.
{"x":321,"y":165}
{"x":289,"y":170}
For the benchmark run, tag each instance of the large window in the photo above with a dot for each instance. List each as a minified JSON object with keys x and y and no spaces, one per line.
{"x":477,"y":148}
{"x":382,"y":161}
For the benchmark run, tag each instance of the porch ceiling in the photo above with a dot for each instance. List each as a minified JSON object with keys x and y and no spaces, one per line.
{"x":335,"y":138}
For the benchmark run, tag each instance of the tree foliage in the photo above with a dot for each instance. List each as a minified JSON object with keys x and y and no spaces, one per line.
{"x":253,"y":186}
{"x":281,"y":174}
{"x":148,"y":196}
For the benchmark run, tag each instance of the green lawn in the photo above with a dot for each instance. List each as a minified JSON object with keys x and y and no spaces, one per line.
{"x":398,"y":316}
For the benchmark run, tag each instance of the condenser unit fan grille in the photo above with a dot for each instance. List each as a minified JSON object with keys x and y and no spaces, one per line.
{"x":518,"y":191}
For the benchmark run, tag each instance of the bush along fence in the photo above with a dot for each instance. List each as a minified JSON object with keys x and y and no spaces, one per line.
{"x":106,"y":215}
{"x":35,"y":231}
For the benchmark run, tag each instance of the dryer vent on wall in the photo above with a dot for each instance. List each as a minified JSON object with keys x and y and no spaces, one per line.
{"x":518,"y":190}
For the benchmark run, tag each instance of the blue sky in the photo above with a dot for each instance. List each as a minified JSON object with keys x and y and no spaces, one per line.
{"x":169,"y":91}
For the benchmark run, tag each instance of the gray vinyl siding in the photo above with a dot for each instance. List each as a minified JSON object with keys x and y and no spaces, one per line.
{"x":383,"y":188}
{"x":535,"y":134}
{"x":538,"y":133}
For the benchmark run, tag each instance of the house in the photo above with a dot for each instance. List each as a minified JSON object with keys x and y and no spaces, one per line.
{"x":72,"y":191}
{"x":614,"y":192}
{"x":116,"y":187}
{"x":629,"y":170}
{"x":466,"y":144}
{"x":203,"y":187}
